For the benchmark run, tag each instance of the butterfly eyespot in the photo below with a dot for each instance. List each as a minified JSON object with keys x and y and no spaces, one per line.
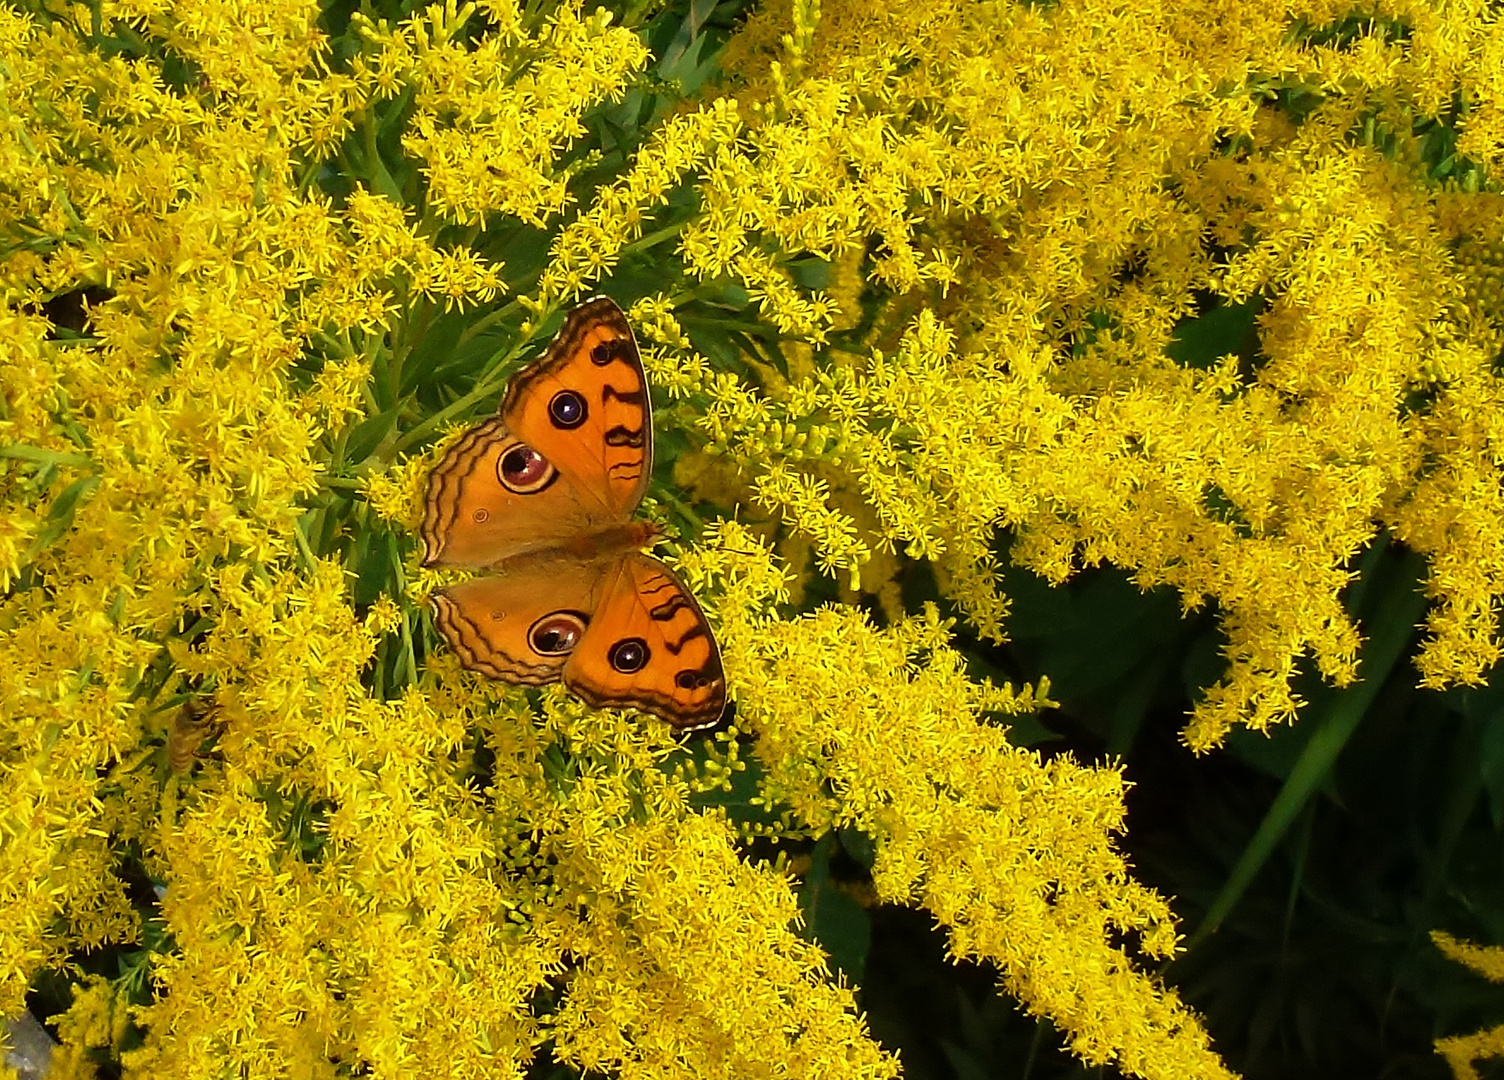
{"x":603,"y":353}
{"x":481,"y":516}
{"x":690,"y":680}
{"x":629,"y":655}
{"x":556,"y":634}
{"x":567,"y":409}
{"x":525,"y":471}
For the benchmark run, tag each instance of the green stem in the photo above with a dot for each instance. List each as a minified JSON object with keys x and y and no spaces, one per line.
{"x":309,"y":559}
{"x":485,"y":386}
{"x":402,"y":347}
{"x":380,"y":178}
{"x":483,"y":389}
{"x":486,"y":321}
{"x":653,"y":239}
{"x":683,"y":509}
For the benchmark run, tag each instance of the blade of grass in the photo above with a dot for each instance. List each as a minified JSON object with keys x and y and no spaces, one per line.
{"x":39,"y":456}
{"x":1398,"y":611}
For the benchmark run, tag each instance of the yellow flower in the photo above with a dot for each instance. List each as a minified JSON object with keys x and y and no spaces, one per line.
{"x":914,"y":277}
{"x":1461,"y":1051}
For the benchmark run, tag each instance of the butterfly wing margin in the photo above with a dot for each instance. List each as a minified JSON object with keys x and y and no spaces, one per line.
{"x":682,"y":679}
{"x":609,"y":454}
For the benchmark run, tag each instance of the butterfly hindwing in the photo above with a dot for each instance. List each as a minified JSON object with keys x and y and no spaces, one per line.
{"x":648,"y":646}
{"x":584,"y":406}
{"x":623,"y":632}
{"x":516,"y":626}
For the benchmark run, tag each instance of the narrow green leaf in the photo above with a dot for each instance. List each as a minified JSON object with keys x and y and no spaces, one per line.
{"x":60,"y":514}
{"x":38,"y":456}
{"x":1392,"y":624}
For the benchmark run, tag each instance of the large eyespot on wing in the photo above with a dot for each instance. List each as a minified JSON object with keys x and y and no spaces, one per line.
{"x":584,"y":405}
{"x":649,"y":647}
{"x":493,"y":496}
{"x":522,"y":626}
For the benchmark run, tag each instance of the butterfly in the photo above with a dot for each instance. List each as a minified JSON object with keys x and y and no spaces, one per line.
{"x":543,"y":493}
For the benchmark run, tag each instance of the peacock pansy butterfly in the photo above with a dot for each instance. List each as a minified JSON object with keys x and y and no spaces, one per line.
{"x":543,"y":493}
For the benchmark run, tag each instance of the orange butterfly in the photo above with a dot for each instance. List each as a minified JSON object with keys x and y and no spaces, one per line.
{"x":543,"y":493}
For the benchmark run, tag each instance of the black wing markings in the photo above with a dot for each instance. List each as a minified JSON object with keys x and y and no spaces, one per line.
{"x":621,"y":435}
{"x":676,"y":647}
{"x":615,"y":351}
{"x":629,"y":397}
{"x":665,"y":612}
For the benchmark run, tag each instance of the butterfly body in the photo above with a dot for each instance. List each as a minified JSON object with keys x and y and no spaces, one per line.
{"x":604,"y":544}
{"x":542,"y":495}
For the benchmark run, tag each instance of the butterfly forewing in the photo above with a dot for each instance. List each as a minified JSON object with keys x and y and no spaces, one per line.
{"x":472,"y":518}
{"x":584,"y":405}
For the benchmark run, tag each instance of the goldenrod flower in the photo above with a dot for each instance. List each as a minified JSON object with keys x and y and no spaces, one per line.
{"x":908,"y":280}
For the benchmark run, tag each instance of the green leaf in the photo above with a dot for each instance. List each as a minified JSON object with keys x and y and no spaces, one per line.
{"x":832,"y":918}
{"x":60,"y":514}
{"x":368,"y":435}
{"x":38,"y":456}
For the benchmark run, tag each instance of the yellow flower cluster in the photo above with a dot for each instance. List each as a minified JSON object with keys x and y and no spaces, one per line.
{"x":591,"y":244}
{"x":882,"y":731}
{"x":952,"y":244}
{"x":343,"y":889}
{"x":1063,"y":241}
{"x":1461,"y":1051}
{"x":490,"y":118}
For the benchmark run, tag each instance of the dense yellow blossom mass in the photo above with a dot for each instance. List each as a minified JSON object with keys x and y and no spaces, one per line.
{"x":910,"y":276}
{"x":1461,"y":1051}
